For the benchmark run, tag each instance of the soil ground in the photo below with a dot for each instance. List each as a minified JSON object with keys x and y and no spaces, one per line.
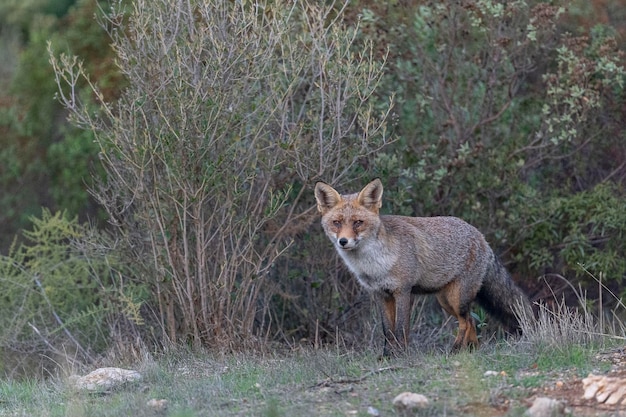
{"x":570,"y":389}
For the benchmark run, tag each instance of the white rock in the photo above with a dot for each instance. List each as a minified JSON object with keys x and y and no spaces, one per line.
{"x":104,"y":379}
{"x":158,"y":405}
{"x":373,"y":411}
{"x":545,"y":407}
{"x":410,"y":401}
{"x":605,"y":389}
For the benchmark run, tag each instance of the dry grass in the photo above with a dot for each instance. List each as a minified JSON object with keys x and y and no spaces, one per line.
{"x":588,"y":323}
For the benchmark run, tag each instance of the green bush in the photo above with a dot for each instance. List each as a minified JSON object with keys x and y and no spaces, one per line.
{"x":564,"y":231}
{"x":60,"y":296}
{"x":500,"y":118}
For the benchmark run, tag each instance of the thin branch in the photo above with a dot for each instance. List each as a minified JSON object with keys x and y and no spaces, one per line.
{"x":332,"y":381}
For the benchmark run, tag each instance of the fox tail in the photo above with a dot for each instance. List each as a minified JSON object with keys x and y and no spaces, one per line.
{"x":503,"y":299}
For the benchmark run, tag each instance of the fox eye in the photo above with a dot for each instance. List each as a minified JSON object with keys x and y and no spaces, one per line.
{"x":357,"y":223}
{"x":337,"y":224}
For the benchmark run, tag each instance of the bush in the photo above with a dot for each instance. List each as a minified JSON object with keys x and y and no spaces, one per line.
{"x":232,"y":110}
{"x":564,"y":231}
{"x":60,"y":297}
{"x":500,"y":116}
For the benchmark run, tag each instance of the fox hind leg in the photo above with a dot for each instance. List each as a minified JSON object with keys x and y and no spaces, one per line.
{"x":457,"y":304}
{"x":467,"y":328}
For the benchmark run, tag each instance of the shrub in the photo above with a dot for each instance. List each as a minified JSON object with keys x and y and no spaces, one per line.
{"x":564,"y":231}
{"x":60,"y":297}
{"x":232,"y":109}
{"x":500,"y":116}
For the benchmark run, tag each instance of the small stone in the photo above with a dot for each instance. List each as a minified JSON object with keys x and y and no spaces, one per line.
{"x":158,"y":405}
{"x":373,"y":411}
{"x":591,"y":387}
{"x":104,"y":379}
{"x":491,"y":373}
{"x":545,"y":407}
{"x":410,"y":401}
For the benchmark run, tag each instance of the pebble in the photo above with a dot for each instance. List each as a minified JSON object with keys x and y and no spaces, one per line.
{"x":410,"y":401}
{"x":545,"y":407}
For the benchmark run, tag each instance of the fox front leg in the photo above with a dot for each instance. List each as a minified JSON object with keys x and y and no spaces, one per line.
{"x":387,"y":306}
{"x":404,"y":304}
{"x":395,"y":311}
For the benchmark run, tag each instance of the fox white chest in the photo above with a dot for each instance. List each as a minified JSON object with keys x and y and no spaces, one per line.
{"x":372,"y":264}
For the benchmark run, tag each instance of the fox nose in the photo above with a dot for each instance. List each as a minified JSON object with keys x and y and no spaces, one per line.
{"x":343,"y":241}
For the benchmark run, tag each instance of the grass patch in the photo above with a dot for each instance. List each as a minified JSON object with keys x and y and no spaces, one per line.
{"x":579,"y":357}
{"x":320,"y":383}
{"x":495,"y":380}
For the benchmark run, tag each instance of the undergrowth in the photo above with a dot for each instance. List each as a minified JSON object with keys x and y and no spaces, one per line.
{"x":561,"y":343}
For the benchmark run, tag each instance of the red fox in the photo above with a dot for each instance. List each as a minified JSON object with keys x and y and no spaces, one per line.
{"x":396,"y":257}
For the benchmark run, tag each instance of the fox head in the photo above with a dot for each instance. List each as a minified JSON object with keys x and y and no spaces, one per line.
{"x":349,"y":220}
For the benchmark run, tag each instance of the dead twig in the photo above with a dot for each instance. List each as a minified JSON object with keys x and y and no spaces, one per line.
{"x":332,"y":381}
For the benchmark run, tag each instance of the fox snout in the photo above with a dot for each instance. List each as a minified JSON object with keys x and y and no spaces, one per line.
{"x":347,"y":243}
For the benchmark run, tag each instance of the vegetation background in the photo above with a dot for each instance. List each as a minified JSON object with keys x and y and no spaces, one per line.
{"x":157,"y":162}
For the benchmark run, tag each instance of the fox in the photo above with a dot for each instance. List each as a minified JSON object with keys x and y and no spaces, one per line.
{"x":394,"y":258}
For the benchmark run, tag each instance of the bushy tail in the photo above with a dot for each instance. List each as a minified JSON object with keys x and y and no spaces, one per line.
{"x":503,"y":299}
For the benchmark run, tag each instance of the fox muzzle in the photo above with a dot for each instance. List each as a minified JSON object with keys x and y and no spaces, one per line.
{"x":346,"y":243}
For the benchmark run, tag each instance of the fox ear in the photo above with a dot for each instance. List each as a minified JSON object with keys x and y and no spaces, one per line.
{"x":371,"y":196}
{"x":327,"y":197}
